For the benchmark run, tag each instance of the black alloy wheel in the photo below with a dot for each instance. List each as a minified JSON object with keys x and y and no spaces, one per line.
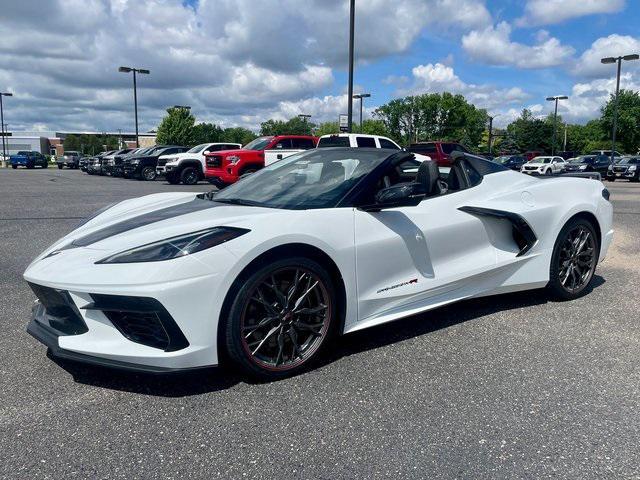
{"x":148,"y":174}
{"x":189,"y":176}
{"x":574,"y":259}
{"x":281,"y":318}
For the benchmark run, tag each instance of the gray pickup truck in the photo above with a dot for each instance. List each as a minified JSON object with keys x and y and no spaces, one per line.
{"x":70,"y":159}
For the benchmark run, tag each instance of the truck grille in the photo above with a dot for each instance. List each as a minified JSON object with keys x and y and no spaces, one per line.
{"x":162,"y":162}
{"x":619,"y":169}
{"x":214,"y":161}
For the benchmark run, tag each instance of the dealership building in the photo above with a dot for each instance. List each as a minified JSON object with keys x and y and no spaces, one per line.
{"x":51,"y":142}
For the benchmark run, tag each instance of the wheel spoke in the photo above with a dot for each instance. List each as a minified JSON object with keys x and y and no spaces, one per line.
{"x":304,"y":295}
{"x":262,"y":323}
{"x":279,"y":356}
{"x":270,"y":308}
{"x":281,"y":298}
{"x":311,"y":311}
{"x":295,"y":350}
{"x":266,"y":337}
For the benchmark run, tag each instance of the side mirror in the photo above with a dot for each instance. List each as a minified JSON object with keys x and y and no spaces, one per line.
{"x":402,"y":195}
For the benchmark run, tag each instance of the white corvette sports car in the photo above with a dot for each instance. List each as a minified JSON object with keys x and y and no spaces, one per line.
{"x":325,"y":242}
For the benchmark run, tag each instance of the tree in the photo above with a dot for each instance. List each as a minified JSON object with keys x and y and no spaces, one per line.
{"x":293,"y":126}
{"x":237,"y":135}
{"x":71,"y":143}
{"x":205,"y":133}
{"x":112,"y":143}
{"x":581,"y":138}
{"x":530,"y":133}
{"x":433,"y":116}
{"x":627,"y":133}
{"x":327,"y":128}
{"x":176,"y":128}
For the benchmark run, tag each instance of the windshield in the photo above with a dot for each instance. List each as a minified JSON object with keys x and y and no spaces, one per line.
{"x":502,"y":159}
{"x":541,"y":160}
{"x":628,"y":160}
{"x":258,"y":144}
{"x":333,"y":141}
{"x":24,"y":152}
{"x":197,"y":148}
{"x":312,"y":179}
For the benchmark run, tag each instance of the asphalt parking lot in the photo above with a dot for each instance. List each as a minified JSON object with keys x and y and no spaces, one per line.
{"x":501,"y":387}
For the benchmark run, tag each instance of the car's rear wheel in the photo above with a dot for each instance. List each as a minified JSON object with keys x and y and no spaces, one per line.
{"x":60,"y":167}
{"x":548,"y":171}
{"x":280,"y":318}
{"x":189,"y":176}
{"x":574,"y":259}
{"x":148,"y":174}
{"x":172,"y":178}
{"x":14,"y":167}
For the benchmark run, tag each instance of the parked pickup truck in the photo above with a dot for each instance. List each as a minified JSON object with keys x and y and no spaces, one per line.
{"x":70,"y":159}
{"x":189,"y":167}
{"x":28,"y":159}
{"x":226,"y":167}
{"x":360,"y":140}
{"x":438,"y":151}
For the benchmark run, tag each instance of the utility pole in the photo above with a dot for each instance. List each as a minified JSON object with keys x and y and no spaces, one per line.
{"x":135,"y":92}
{"x":555,"y":119}
{"x":4,"y":149}
{"x":352,"y":18}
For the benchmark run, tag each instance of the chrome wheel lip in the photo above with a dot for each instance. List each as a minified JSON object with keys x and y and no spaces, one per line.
{"x":283,"y":329}
{"x":577,"y":259}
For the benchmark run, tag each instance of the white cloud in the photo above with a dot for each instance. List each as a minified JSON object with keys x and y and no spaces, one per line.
{"x":437,"y":77}
{"x":547,"y":12}
{"x":231,"y":60}
{"x":589,"y":65}
{"x":493,"y":46}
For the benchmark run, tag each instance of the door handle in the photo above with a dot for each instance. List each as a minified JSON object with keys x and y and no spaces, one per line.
{"x":279,"y":156}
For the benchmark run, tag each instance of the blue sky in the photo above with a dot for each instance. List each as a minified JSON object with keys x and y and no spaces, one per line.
{"x":240,"y":62}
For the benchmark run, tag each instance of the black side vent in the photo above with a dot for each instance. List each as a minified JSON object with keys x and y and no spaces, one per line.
{"x":57,"y":311}
{"x":523,"y":234}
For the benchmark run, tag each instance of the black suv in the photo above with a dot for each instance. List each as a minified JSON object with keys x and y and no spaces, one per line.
{"x":628,"y":167}
{"x":589,"y":163}
{"x":143,"y":166}
{"x":514,"y":162}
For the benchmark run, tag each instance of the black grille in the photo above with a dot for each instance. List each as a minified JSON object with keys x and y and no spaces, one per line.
{"x":144,"y":328}
{"x":162,"y":162}
{"x":214,"y":161}
{"x":57,"y":311}
{"x":142,"y":320}
{"x":620,"y":169}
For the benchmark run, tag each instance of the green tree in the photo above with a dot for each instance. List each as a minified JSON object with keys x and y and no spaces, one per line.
{"x":433,"y":116}
{"x":176,"y":128}
{"x":327,"y":128}
{"x":112,"y":143}
{"x":581,"y":137}
{"x":627,"y":133}
{"x":293,"y":126}
{"x":237,"y":135}
{"x":205,"y":133}
{"x":71,"y":143}
{"x":530,"y":133}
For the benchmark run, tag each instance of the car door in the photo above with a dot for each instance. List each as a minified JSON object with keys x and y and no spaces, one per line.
{"x":408,"y":258}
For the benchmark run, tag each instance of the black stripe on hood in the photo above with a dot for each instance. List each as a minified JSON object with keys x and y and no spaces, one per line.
{"x":194,"y":205}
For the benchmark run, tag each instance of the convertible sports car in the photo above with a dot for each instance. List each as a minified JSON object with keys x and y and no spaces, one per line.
{"x":325,"y":242}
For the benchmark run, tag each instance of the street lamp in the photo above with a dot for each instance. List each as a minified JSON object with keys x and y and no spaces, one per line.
{"x":555,"y":119}
{"x":491,"y":132}
{"x":352,"y":18}
{"x":135,"y":92}
{"x":186,"y":107}
{"x":361,"y":96}
{"x":609,"y":60}
{"x":4,"y":149}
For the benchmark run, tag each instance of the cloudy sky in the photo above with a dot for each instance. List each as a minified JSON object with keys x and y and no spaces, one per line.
{"x":239,"y":62}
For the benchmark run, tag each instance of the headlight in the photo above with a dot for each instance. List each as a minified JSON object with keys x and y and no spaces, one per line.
{"x":632,"y":168}
{"x":610,"y":167}
{"x":177,"y":246}
{"x":233,"y":159}
{"x":582,"y":167}
{"x":135,"y":162}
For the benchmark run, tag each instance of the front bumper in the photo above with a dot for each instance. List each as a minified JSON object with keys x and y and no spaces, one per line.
{"x":625,"y":174}
{"x":132,"y":170}
{"x":223,"y":175}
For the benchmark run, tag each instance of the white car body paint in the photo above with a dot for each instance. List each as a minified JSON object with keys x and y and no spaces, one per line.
{"x":394,"y":262}
{"x":539,"y":165}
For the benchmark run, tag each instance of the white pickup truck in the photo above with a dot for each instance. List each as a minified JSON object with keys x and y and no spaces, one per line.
{"x":189,"y":167}
{"x":361,"y":140}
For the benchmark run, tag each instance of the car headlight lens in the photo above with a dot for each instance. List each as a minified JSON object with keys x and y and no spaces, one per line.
{"x":233,"y":159}
{"x":583,"y":167}
{"x":135,"y":162}
{"x":632,"y":168}
{"x":176,"y":247}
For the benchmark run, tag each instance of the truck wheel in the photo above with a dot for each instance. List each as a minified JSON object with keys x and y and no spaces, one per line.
{"x":173,"y":179}
{"x":14,"y":166}
{"x":189,"y":176}
{"x":148,"y":174}
{"x":60,"y":166}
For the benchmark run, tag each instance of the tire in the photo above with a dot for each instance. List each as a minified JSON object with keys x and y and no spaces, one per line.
{"x":173,"y":179}
{"x":548,"y":171}
{"x":60,"y":166}
{"x":14,"y":167}
{"x":148,"y":174}
{"x":189,"y":176}
{"x":573,"y":261}
{"x":252,"y":297}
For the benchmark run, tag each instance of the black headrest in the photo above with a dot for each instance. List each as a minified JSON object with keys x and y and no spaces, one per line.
{"x":428,"y":176}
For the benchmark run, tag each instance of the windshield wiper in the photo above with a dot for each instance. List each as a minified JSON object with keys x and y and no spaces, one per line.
{"x":237,"y":201}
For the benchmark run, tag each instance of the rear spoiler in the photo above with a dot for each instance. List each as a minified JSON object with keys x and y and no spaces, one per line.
{"x":591,"y":175}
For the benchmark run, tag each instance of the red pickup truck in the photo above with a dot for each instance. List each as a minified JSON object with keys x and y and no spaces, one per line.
{"x":225,"y":167}
{"x":438,"y":151}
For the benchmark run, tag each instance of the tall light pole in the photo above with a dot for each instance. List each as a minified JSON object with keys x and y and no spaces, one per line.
{"x":135,"y":92}
{"x":555,"y":119}
{"x":491,"y":132}
{"x":4,"y":149}
{"x":361,"y":96}
{"x":619,"y":60}
{"x":304,"y":117}
{"x":352,"y":21}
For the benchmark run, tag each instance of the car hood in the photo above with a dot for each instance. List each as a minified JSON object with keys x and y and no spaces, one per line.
{"x":242,"y":151}
{"x":148,"y":219}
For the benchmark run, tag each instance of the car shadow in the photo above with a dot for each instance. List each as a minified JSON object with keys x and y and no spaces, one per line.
{"x":221,"y":378}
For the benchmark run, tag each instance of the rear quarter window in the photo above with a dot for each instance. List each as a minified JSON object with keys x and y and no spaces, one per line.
{"x":333,"y":142}
{"x":366,"y":142}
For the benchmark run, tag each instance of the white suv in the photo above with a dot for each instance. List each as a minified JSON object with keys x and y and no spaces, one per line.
{"x":189,"y":167}
{"x":544,"y":166}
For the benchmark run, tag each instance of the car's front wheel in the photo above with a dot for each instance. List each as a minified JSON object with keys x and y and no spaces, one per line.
{"x":148,"y":173}
{"x":189,"y":176}
{"x":574,"y":259}
{"x":280,"y":318}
